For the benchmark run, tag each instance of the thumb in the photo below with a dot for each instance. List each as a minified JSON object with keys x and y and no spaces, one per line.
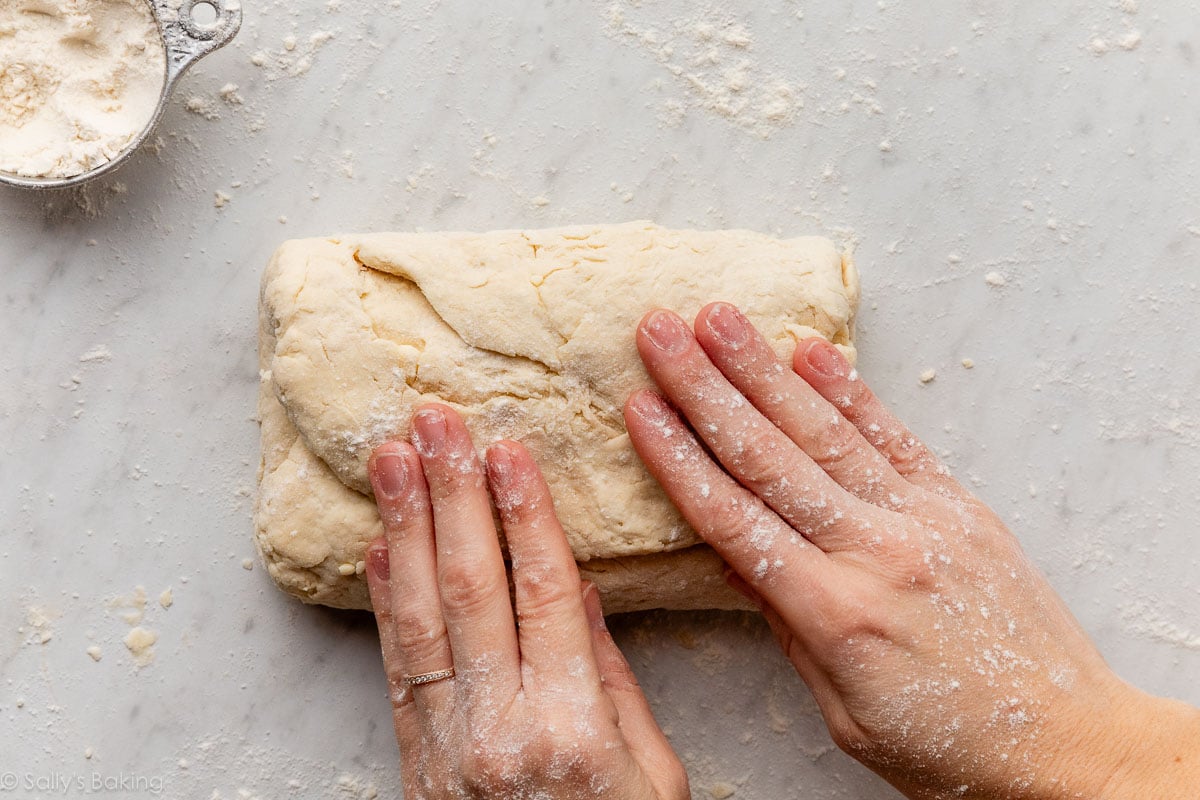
{"x":646,"y":741}
{"x":823,"y":691}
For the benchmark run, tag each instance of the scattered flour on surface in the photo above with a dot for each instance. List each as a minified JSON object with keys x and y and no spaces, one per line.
{"x":1146,"y":619}
{"x":711,"y":56}
{"x":225,"y":766}
{"x":294,"y":58}
{"x":1117,"y":34}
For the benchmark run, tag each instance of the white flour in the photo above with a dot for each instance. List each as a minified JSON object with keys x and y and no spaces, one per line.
{"x":79,"y":79}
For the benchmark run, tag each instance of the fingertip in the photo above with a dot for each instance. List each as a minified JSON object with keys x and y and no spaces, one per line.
{"x":435,"y":406}
{"x":649,"y":406}
{"x":498,"y":450}
{"x":390,"y":470}
{"x":636,"y":398}
{"x":820,"y":361}
{"x":394,"y":447}
{"x":502,"y":474}
{"x":818,"y":358}
{"x":704,"y":313}
{"x":649,"y":315}
{"x":378,"y":577}
{"x":662,"y":334}
{"x":509,"y":449}
{"x":378,"y":562}
{"x":723,"y":324}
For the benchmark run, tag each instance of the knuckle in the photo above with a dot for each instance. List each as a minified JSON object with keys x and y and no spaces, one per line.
{"x":563,"y":752}
{"x":455,"y":487}
{"x":541,"y":592}
{"x":676,"y":777}
{"x":834,"y":444}
{"x":621,"y":679}
{"x":917,"y":571}
{"x":485,"y":774}
{"x":454,"y":476}
{"x":545,"y":747}
{"x":756,"y":457}
{"x":466,"y":589}
{"x":848,"y":737}
{"x":850,"y":622}
{"x":725,"y":522}
{"x":517,"y":506}
{"x":384,"y":617}
{"x":905,"y":452}
{"x":850,"y":394}
{"x":420,"y":636}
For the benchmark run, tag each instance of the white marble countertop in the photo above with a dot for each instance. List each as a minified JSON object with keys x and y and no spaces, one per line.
{"x":1020,"y":185}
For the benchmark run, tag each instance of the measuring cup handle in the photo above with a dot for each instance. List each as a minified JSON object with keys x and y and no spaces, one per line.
{"x":187,"y":40}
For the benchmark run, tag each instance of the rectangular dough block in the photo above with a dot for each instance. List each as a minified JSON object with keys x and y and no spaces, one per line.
{"x":528,"y":334}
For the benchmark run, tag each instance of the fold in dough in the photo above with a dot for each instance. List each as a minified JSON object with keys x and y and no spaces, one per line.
{"x":528,"y":334}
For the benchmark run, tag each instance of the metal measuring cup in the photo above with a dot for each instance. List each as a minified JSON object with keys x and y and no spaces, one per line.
{"x":185,"y":41}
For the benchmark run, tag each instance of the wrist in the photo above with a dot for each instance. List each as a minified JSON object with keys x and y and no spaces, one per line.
{"x":1161,"y":757}
{"x":1127,"y":745}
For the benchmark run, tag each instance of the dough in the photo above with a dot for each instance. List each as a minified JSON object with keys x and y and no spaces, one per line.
{"x":530,"y":335}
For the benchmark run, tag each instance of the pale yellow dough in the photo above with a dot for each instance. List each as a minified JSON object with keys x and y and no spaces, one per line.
{"x":530,"y":335}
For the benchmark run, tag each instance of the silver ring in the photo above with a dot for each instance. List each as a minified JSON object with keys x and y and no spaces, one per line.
{"x":429,"y":677}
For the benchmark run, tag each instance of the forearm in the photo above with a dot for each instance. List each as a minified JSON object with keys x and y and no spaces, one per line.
{"x":1105,"y":741}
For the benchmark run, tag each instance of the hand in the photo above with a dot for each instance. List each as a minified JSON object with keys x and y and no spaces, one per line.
{"x":938,"y":655}
{"x":544,"y":707}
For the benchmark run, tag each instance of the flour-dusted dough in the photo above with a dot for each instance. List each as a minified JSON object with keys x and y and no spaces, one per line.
{"x":530,"y":335}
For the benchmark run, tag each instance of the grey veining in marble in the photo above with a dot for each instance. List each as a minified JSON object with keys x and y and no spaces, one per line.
{"x":1050,"y":147}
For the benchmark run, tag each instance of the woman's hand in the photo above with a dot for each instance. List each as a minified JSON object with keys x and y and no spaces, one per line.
{"x":938,"y":654}
{"x":541,"y":707}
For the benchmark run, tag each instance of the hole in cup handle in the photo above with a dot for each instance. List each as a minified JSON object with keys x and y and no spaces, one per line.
{"x":194,"y":28}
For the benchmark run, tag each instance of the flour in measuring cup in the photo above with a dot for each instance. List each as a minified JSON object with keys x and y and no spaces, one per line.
{"x":79,"y":80}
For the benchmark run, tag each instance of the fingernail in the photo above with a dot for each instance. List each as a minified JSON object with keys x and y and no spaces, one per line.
{"x":377,"y":560}
{"x":500,"y":465}
{"x":429,"y":431}
{"x":728,"y":325}
{"x":591,"y":605}
{"x":666,"y":332}
{"x":825,"y":359}
{"x":391,"y":475}
{"x":652,"y":408}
